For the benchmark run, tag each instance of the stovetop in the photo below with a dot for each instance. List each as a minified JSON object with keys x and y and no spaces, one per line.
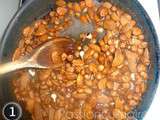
{"x":9,"y":7}
{"x":7,"y":10}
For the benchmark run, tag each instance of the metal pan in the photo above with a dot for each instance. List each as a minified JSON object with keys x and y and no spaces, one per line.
{"x":34,"y":9}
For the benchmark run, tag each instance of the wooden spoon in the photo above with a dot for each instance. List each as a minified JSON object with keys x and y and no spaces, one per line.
{"x":41,"y":57}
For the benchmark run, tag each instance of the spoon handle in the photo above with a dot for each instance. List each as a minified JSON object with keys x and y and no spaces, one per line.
{"x":12,"y":66}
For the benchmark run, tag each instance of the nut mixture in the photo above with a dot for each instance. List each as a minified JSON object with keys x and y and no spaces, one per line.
{"x":102,"y":80}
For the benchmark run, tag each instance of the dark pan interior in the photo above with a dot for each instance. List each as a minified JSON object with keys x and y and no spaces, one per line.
{"x":34,"y":9}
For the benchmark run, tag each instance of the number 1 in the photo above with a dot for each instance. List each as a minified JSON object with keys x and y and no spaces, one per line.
{"x":12,"y":112}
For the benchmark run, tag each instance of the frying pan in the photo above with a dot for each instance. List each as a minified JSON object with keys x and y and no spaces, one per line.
{"x":35,"y":9}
